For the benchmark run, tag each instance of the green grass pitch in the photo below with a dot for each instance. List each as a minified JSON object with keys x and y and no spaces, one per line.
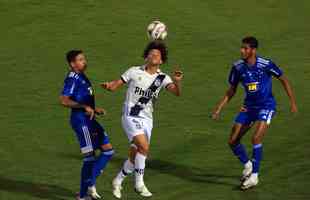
{"x":190,"y":159}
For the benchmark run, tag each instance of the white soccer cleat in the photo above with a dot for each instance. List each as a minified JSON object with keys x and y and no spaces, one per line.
{"x":117,"y":189}
{"x":143,"y":191}
{"x":92,"y":192}
{"x":248,"y":167}
{"x":250,"y":182}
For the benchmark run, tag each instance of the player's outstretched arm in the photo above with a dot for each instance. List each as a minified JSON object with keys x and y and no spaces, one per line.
{"x":289,"y":91}
{"x":218,"y":108}
{"x":175,"y":87}
{"x":67,"y":102}
{"x":112,"y":85}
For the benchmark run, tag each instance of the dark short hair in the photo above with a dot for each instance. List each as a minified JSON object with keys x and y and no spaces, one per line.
{"x":251,"y":41}
{"x":72,"y":54}
{"x":159,"y":45}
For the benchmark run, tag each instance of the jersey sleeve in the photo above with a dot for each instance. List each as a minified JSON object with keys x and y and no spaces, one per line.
{"x":167,"y":80}
{"x":127,"y":76}
{"x":234,"y":76}
{"x":69,"y":87}
{"x":274,"y":70}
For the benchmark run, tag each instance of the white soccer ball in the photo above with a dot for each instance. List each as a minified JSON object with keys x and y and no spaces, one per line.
{"x":157,"y":30}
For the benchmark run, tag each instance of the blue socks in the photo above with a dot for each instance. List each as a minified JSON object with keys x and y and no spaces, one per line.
{"x":100,"y":164}
{"x":86,"y":175}
{"x":92,"y":168}
{"x":240,"y":152}
{"x":257,"y":157}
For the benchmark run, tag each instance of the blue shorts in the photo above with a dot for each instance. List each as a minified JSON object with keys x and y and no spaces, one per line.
{"x":90,"y":133}
{"x":247,"y":116}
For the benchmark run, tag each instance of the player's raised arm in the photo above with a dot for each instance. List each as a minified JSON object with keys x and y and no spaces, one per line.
{"x":228,"y":95}
{"x":175,"y":87}
{"x":289,"y":91}
{"x":112,"y":85}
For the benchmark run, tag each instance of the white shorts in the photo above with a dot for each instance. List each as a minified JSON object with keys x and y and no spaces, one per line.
{"x":135,"y":126}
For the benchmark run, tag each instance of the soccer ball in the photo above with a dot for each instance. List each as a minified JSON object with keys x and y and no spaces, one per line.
{"x":157,"y":30}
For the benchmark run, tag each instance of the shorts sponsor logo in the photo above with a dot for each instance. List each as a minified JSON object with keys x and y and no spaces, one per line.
{"x":137,"y":123}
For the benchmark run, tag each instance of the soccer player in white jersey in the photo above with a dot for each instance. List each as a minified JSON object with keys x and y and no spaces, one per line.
{"x":144,"y":83}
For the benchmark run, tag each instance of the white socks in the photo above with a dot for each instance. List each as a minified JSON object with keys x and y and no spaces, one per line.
{"x":128,"y":168}
{"x":139,"y":169}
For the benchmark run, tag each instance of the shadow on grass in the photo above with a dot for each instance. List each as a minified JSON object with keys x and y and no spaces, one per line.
{"x":39,"y":190}
{"x":187,"y":173}
{"x":192,"y":174}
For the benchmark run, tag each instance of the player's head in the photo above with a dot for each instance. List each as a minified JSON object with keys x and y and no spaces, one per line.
{"x":155,"y":53}
{"x":76,"y":60}
{"x":248,"y":47}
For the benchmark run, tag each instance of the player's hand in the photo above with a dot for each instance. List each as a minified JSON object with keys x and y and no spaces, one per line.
{"x":106,"y":85}
{"x":294,"y":108}
{"x":177,"y":75}
{"x":100,"y":111}
{"x":90,"y":111}
{"x":215,"y":115}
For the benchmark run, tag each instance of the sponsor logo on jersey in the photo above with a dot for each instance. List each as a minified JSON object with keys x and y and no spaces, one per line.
{"x":145,"y":93}
{"x":157,"y":82}
{"x":252,"y":87}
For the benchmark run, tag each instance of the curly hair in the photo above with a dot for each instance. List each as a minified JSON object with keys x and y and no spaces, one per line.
{"x":159,"y":45}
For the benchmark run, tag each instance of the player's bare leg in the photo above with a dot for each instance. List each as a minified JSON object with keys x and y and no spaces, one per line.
{"x":136,"y":162}
{"x":142,"y":144}
{"x":132,"y":153}
{"x":260,"y":130}
{"x":237,"y":132}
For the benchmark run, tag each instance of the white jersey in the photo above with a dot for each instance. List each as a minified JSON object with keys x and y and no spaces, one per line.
{"x":139,"y":81}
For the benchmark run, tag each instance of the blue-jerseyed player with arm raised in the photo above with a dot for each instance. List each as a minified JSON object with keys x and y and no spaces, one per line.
{"x":255,"y":74}
{"x":77,"y":94}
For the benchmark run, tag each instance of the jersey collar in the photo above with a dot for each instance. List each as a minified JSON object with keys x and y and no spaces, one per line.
{"x":144,"y":66}
{"x":251,"y":66}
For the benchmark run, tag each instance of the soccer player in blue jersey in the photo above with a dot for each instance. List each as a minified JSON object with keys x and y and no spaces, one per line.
{"x":78,"y":95}
{"x":255,"y":74}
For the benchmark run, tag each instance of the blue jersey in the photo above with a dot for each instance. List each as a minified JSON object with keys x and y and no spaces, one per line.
{"x":257,"y":82}
{"x":90,"y":133}
{"x":79,"y":89}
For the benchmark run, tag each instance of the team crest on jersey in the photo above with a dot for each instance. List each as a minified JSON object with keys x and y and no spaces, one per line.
{"x":139,"y":78}
{"x":157,"y":83}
